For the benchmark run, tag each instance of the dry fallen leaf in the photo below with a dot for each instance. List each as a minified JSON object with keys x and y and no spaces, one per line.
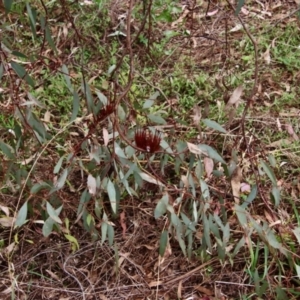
{"x":105,"y":136}
{"x":289,"y":128}
{"x":236,"y":184}
{"x":267,"y":56}
{"x":123,"y":224}
{"x":208,"y":166}
{"x":236,"y":95}
{"x":92,"y":185}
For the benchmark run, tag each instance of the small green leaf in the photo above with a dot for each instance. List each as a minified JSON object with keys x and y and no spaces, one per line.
{"x":297,"y":267}
{"x":73,"y":240}
{"x":7,"y":150}
{"x":250,"y":197}
{"x":276,"y":195}
{"x":1,"y":70}
{"x":21,"y":72}
{"x":204,"y":190}
{"x":121,"y":113}
{"x":62,"y":179}
{"x":206,"y":232}
{"x":176,"y":223}
{"x":239,"y":7}
{"x":76,"y":106}
{"x":58,"y":165}
{"x":297,"y":234}
{"x":110,"y":234}
{"x":211,"y":152}
{"x":163,"y":243}
{"x":8,"y":5}
{"x":32,"y":18}
{"x":49,"y":38}
{"x":166,"y":146}
{"x":89,"y":219}
{"x":48,"y":227}
{"x":104,"y":228}
{"x":272,"y":160}
{"x":161,"y":207}
{"x":214,"y":125}
{"x":157,"y":119}
{"x":238,"y":246}
{"x":53,"y":213}
{"x":65,"y":72}
{"x":19,"y":54}
{"x":148,"y":103}
{"x":269,"y":172}
{"x":119,"y":151}
{"x":22,"y":214}
{"x":112,"y":195}
{"x":241,"y":214}
{"x":39,"y":186}
{"x":111,"y":69}
{"x":88,"y":94}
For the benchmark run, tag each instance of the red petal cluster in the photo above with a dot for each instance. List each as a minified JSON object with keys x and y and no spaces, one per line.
{"x":146,"y":140}
{"x":107,"y":110}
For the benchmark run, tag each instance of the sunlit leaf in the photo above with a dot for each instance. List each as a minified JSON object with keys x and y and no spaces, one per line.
{"x":22,"y":214}
{"x":214,"y":125}
{"x":150,"y":179}
{"x":72,"y":240}
{"x":7,"y":221}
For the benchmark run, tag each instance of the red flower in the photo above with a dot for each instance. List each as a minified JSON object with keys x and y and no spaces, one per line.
{"x":147,"y":141}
